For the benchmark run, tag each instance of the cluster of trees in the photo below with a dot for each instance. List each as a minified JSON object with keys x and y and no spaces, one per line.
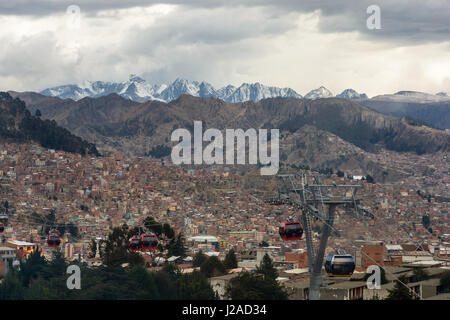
{"x":261,"y":285}
{"x":400,"y":291}
{"x":160,"y":151}
{"x":16,"y":122}
{"x":445,"y":283}
{"x":123,"y":276}
{"x":41,"y":279}
{"x":426,"y":222}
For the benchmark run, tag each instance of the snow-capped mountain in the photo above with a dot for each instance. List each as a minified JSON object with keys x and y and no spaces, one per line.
{"x":257,"y":91}
{"x":70,"y":91}
{"x":412,"y":96}
{"x":351,"y":94}
{"x":179,"y":87}
{"x":137,"y":89}
{"x":226,"y":92}
{"x":321,"y":92}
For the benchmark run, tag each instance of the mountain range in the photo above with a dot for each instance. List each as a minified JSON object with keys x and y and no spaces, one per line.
{"x":322,"y":133}
{"x":431,"y":109}
{"x":138,"y":89}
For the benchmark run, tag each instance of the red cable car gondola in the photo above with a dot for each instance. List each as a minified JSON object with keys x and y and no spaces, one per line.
{"x":135,"y":244}
{"x":149,"y":242}
{"x":54,"y":232}
{"x":291,"y":230}
{"x":53,"y":240}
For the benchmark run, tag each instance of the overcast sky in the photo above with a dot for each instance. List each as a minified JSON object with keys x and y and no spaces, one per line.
{"x":286,"y":43}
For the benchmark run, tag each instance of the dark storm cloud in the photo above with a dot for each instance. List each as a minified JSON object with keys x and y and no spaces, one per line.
{"x":211,"y":27}
{"x":404,"y":21}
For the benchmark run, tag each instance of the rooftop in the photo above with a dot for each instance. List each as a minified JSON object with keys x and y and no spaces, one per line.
{"x":21,"y":243}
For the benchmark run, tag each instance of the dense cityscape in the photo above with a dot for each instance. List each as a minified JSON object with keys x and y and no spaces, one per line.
{"x":215,"y":213}
{"x":224,"y":159}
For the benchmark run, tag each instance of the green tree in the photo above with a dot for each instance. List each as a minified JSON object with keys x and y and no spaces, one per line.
{"x":176,"y":246}
{"x":247,"y":286}
{"x":198,"y":260}
{"x":73,"y":230}
{"x":426,"y":221}
{"x":400,"y":290}
{"x":195,"y":286}
{"x":168,"y":231}
{"x":212,"y":267}
{"x":12,"y":287}
{"x":419,"y":274}
{"x":115,"y":249}
{"x":93,"y":248}
{"x":230,"y":261}
{"x":152,"y":225}
{"x":167,"y":286}
{"x":267,"y":269}
{"x":145,"y":285}
{"x":31,"y":268}
{"x":445,"y":282}
{"x":160,"y":151}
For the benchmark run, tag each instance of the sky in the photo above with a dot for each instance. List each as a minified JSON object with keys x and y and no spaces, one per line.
{"x":286,"y":43}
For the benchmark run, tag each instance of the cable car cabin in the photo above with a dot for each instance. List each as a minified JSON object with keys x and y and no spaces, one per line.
{"x":2,"y":227}
{"x":135,"y":244}
{"x":291,"y":231}
{"x":54,"y":232}
{"x":53,"y":241}
{"x":341,"y":265}
{"x":149,"y":242}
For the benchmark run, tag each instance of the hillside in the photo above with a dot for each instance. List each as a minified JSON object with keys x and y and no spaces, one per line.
{"x":320,"y":133}
{"x":17,"y":124}
{"x":436,"y":114}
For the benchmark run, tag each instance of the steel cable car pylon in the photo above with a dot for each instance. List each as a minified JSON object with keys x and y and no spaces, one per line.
{"x":309,"y":197}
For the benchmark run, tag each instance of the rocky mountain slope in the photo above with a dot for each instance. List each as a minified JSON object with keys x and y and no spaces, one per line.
{"x":17,"y":124}
{"x":321,"y":133}
{"x":431,"y":109}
